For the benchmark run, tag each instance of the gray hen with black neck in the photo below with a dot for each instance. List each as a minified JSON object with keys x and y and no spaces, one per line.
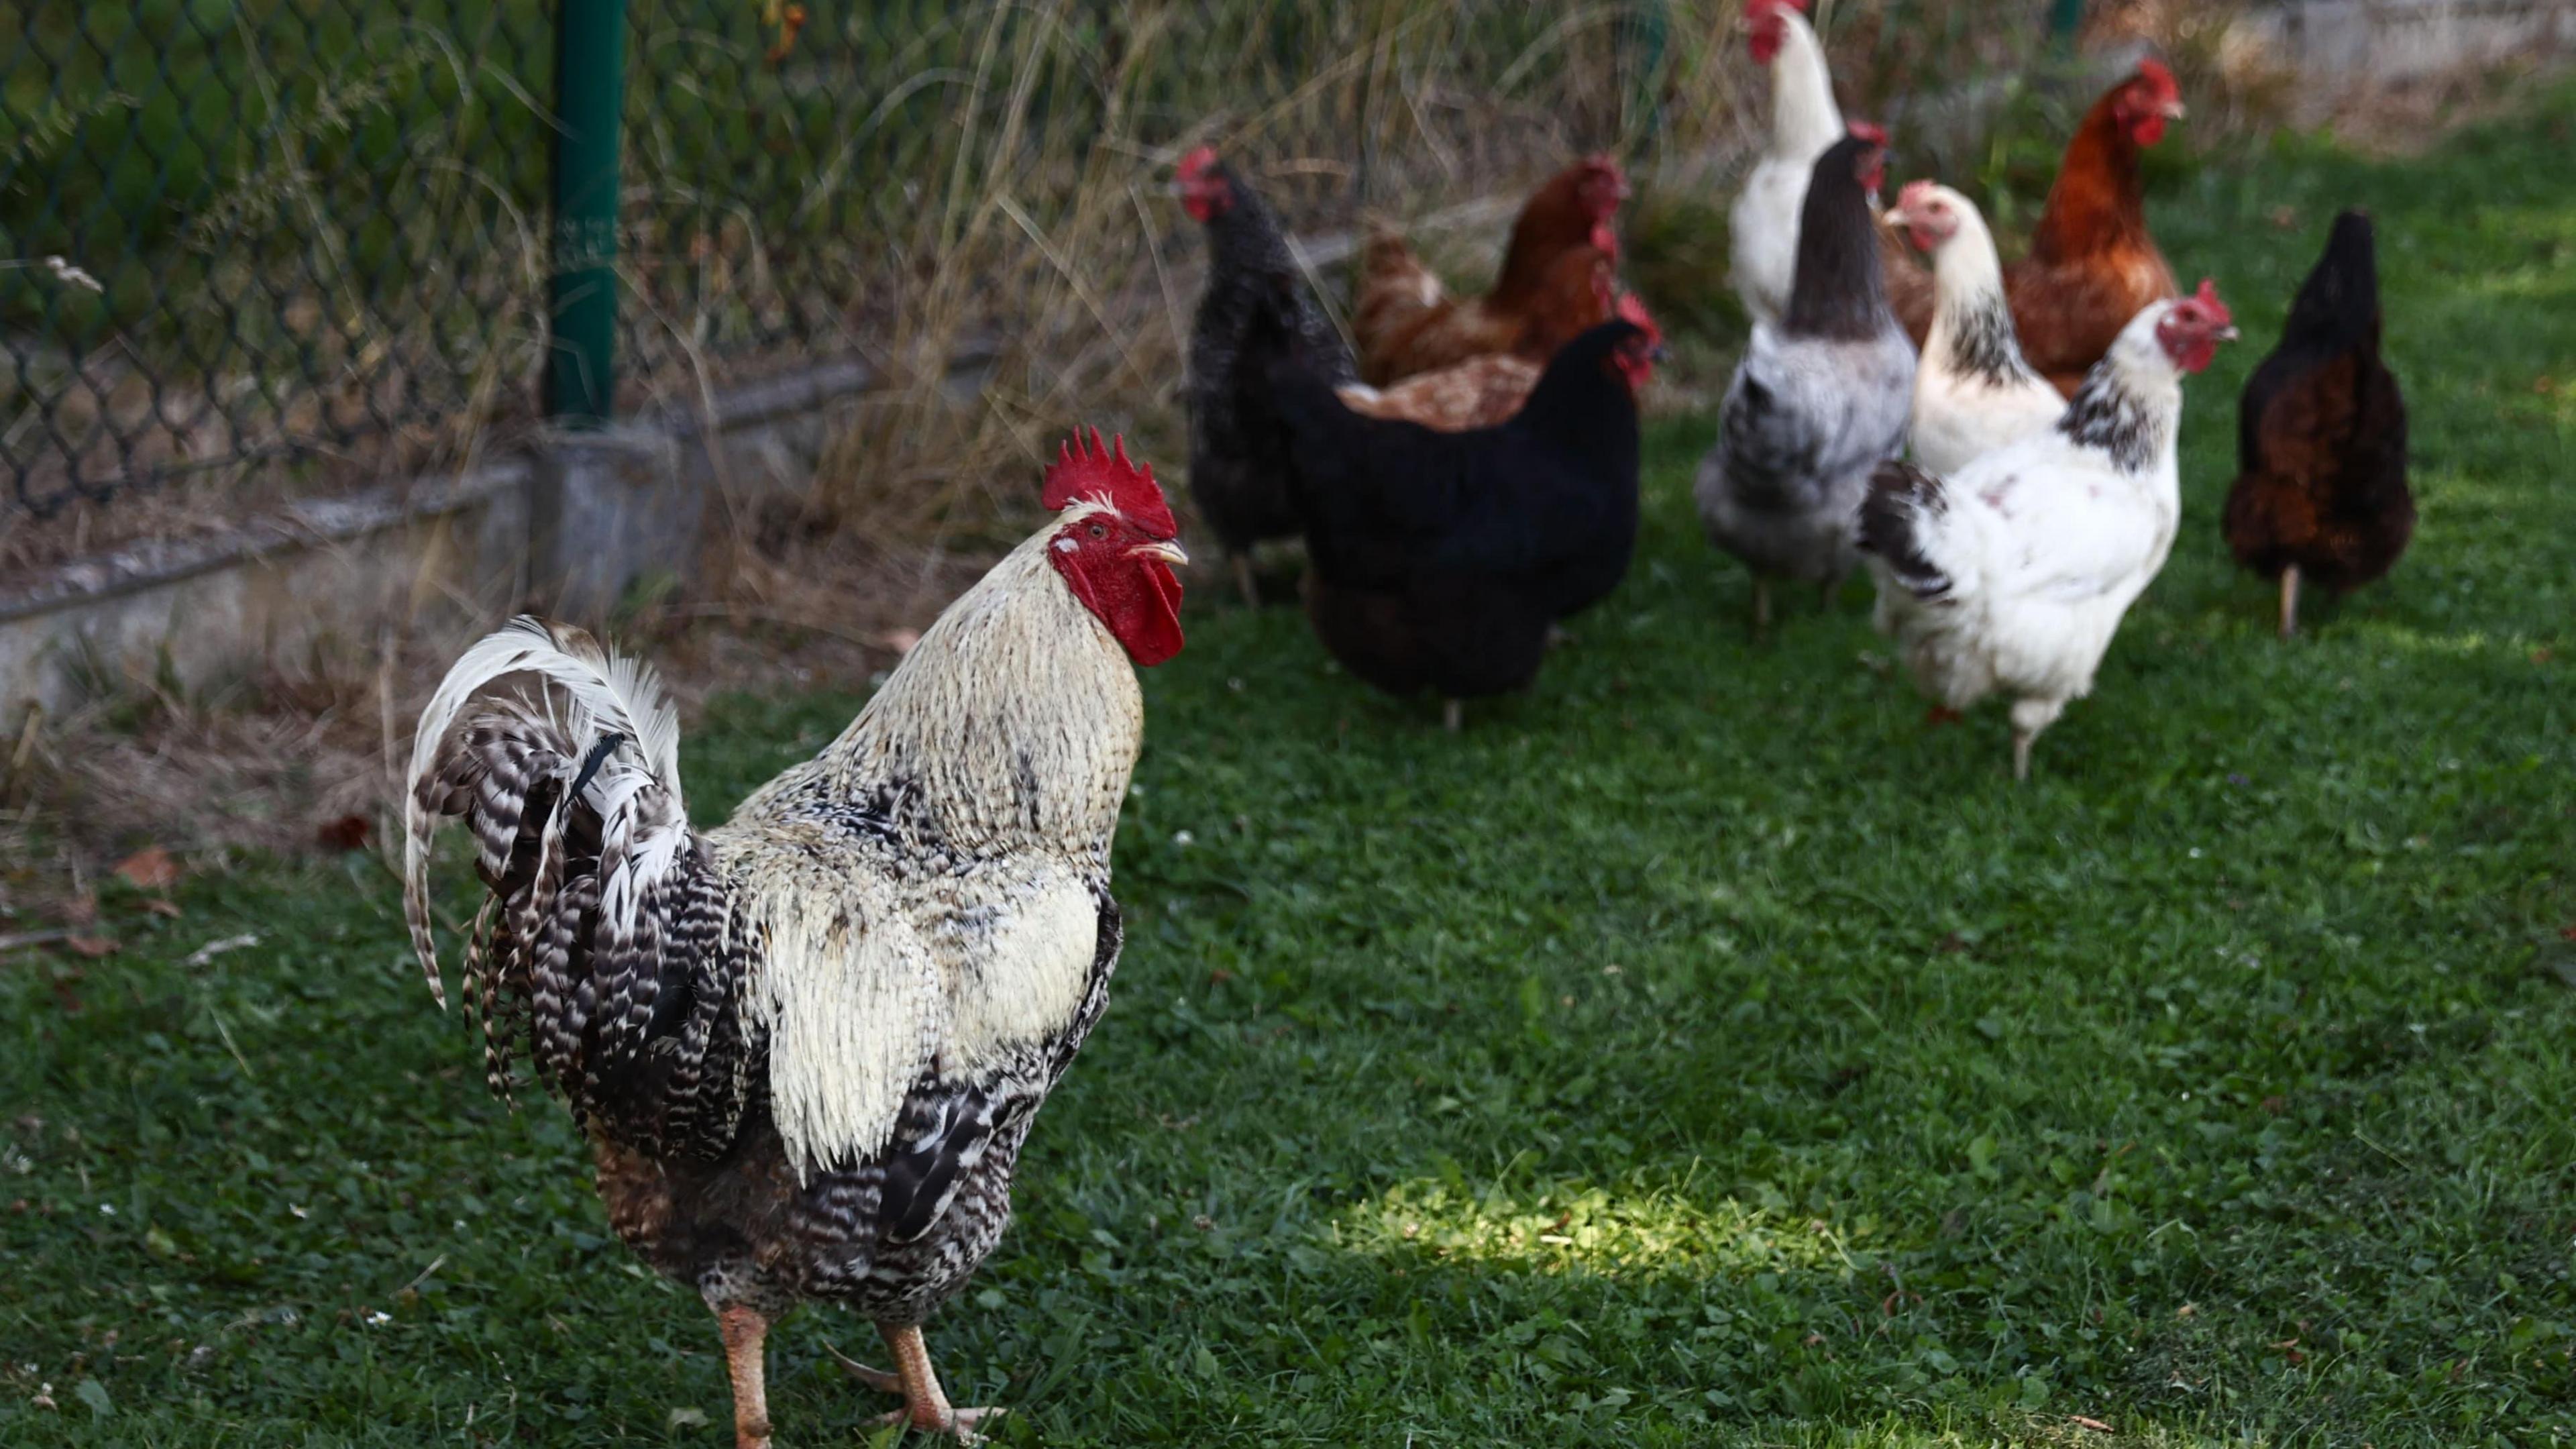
{"x":1819,"y":401}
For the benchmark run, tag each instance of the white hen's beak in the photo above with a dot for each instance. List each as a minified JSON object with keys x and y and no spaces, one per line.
{"x":1167,"y":551}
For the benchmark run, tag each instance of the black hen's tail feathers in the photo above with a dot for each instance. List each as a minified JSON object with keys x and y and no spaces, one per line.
{"x":1901,"y":496}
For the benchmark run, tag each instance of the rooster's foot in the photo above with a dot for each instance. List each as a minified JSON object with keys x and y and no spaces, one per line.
{"x":961,"y":1423}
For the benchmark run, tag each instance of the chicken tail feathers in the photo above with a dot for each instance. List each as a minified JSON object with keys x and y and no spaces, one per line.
{"x":571,"y":790}
{"x":1902,"y":500}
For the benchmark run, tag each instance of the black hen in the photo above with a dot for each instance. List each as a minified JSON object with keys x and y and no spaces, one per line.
{"x":1241,"y":487}
{"x":2320,"y":491}
{"x":1440,"y":560}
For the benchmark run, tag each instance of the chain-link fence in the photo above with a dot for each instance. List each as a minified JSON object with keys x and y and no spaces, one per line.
{"x":320,"y":232}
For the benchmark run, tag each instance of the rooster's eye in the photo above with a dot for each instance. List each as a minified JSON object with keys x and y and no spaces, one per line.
{"x":1099,"y":532}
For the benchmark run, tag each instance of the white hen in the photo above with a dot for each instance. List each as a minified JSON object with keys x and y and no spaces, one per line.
{"x":2013,"y":574}
{"x":1974,"y":391}
{"x":1762,"y":229}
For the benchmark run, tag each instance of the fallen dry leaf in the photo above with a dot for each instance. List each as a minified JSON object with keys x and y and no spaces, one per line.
{"x":2096,"y":1425}
{"x":150,"y":868}
{"x":92,"y":947}
{"x":163,"y":906}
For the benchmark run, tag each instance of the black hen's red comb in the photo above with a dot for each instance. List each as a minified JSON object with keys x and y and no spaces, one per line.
{"x":1104,"y":475}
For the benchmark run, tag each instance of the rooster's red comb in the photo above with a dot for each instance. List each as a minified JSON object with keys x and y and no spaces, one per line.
{"x":2159,"y":80}
{"x":1870,"y":131}
{"x":1098,"y":474}
{"x":1756,"y":9}
{"x":1196,"y":164}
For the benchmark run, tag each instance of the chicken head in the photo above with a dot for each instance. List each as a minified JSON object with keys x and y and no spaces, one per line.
{"x":2193,"y":326}
{"x":2150,"y":99}
{"x":1115,"y":549}
{"x":1770,"y":27}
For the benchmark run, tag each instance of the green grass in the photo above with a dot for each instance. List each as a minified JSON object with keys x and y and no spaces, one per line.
{"x":1698,"y":1051}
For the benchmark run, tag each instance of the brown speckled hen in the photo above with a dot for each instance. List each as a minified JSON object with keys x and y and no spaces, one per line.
{"x":807,"y":1044}
{"x":2321,"y":438}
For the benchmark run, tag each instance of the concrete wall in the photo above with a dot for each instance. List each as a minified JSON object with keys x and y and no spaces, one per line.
{"x":566,"y":527}
{"x":2399,"y":39}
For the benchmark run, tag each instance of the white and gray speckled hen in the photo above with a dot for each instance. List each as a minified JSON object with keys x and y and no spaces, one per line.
{"x":807,"y":1044}
{"x":1820,"y":399}
{"x":2011,"y":575}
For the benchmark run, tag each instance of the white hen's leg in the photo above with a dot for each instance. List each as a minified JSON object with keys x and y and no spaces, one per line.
{"x":2029,"y":717}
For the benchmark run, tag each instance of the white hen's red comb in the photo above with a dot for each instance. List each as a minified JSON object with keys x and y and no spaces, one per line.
{"x":1104,"y":475}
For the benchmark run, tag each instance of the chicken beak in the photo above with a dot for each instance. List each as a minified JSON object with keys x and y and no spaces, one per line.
{"x":1166,"y":550}
{"x":2170,"y":110}
{"x":2226,"y":334}
{"x":1895,"y":216}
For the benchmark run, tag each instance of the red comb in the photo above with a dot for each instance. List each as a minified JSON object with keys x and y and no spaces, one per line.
{"x":2207,"y":297}
{"x":1914,"y":194}
{"x":1758,"y":8}
{"x":1196,"y":163}
{"x":1098,"y":474}
{"x":1632,"y":309}
{"x":2160,"y":79}
{"x":1870,"y":131}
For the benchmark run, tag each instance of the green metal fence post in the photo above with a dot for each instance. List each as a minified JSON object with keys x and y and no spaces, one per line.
{"x":2063,"y":17}
{"x":589,"y":100}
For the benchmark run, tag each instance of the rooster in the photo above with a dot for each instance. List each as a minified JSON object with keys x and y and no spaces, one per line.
{"x":2321,"y":438}
{"x":2092,"y":264}
{"x":1819,"y":400}
{"x":1973,"y":391}
{"x":1404,"y":322}
{"x":2012,"y":574}
{"x":1762,"y":227}
{"x":1443,"y":560}
{"x":1241,"y":489}
{"x":806,"y":1045}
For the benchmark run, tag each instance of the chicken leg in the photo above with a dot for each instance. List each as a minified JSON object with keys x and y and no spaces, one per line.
{"x":1761,"y":606}
{"x":1243,"y":580}
{"x":1453,"y":715}
{"x":926,"y":1405}
{"x":744,"y":1332}
{"x":2290,"y":602}
{"x":2022,"y":741}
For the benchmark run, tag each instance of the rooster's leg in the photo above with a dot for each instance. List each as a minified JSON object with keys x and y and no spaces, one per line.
{"x":2290,"y":601}
{"x":1243,"y":580}
{"x":1453,"y":715}
{"x":1826,"y":591}
{"x":926,"y":1405}
{"x":1761,"y":606}
{"x":744,"y":1331}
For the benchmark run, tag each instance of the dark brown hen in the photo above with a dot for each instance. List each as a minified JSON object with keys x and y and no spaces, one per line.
{"x":2320,"y":494}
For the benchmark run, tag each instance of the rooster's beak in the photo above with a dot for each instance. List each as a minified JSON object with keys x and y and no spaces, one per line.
{"x":2226,"y":334}
{"x":2171,"y":111}
{"x":1167,"y":551}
